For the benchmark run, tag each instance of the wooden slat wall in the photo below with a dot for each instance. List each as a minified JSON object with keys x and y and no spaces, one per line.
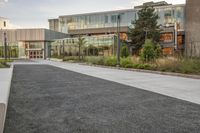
{"x":31,"y":35}
{"x":11,"y":35}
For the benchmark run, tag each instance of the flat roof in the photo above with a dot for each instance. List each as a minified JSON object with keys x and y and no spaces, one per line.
{"x":95,"y":13}
{"x":4,"y":18}
{"x":114,"y":11}
{"x":160,"y":7}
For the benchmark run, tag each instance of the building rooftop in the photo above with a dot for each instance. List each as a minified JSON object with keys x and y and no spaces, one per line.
{"x":3,"y":18}
{"x":95,"y":13}
{"x":136,"y":8}
{"x":153,"y":4}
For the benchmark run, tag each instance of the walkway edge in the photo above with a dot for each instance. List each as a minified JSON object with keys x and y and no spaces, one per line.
{"x":147,"y":71}
{"x":5,"y":84}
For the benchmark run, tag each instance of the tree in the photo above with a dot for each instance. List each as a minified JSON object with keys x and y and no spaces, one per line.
{"x":150,"y":51}
{"x":158,"y":50}
{"x":81,"y":43}
{"x":144,"y":27}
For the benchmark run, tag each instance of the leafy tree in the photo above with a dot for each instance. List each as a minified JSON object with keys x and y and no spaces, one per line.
{"x":146,"y":23}
{"x":81,"y":43}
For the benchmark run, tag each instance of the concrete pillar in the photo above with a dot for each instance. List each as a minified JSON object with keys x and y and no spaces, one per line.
{"x":192,"y":28}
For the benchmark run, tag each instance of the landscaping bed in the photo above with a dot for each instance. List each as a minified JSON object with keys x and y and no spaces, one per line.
{"x":5,"y":63}
{"x":164,"y":64}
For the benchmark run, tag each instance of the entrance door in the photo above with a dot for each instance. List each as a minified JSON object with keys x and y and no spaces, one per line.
{"x":35,"y":54}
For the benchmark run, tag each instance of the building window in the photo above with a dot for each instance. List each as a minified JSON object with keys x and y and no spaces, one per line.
{"x":136,"y":16}
{"x":178,"y":12}
{"x":168,"y":16}
{"x":4,"y":23}
{"x":90,"y":19}
{"x":106,"y":19}
{"x":166,"y":37}
{"x":113,"y":18}
{"x":168,"y":13}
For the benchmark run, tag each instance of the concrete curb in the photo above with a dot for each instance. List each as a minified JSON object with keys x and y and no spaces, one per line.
{"x":147,"y":71}
{"x":55,"y":59}
{"x":5,"y":84}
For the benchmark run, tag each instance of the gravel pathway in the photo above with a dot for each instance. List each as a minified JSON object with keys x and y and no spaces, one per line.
{"x":46,"y":99}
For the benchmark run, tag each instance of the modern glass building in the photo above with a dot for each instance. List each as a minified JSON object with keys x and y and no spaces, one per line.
{"x":27,"y":43}
{"x":171,"y":20}
{"x":93,"y":46}
{"x":100,"y":23}
{"x":168,"y":15}
{"x":99,"y":30}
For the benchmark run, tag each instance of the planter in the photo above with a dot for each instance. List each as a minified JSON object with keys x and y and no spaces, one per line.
{"x":5,"y":82}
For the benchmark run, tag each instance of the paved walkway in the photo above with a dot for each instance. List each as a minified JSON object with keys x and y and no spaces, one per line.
{"x":47,"y":99}
{"x":178,"y":87}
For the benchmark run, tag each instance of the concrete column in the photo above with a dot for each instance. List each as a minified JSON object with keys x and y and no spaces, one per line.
{"x":192,"y":28}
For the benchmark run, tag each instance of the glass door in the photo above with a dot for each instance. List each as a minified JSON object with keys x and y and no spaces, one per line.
{"x":35,"y":54}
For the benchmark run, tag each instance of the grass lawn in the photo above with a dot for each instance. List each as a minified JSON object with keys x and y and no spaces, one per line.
{"x":4,"y":63}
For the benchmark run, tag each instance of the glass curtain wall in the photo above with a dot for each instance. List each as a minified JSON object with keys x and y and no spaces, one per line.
{"x":12,"y":50}
{"x":167,"y":15}
{"x":102,"y":20}
{"x":102,"y":45}
{"x":171,"y":15}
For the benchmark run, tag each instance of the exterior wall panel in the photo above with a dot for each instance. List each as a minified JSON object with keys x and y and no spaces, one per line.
{"x":193,"y":28}
{"x":99,"y":30}
{"x":54,"y":24}
{"x":30,"y":34}
{"x":28,"y":43}
{"x":10,"y":34}
{"x":51,"y":35}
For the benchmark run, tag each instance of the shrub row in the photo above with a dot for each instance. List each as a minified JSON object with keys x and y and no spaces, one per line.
{"x":108,"y":61}
{"x":187,"y":66}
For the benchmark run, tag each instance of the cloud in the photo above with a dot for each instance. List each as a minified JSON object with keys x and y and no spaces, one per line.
{"x":3,"y":2}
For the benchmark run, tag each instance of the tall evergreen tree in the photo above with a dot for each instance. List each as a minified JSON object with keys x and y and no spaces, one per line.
{"x":145,"y":27}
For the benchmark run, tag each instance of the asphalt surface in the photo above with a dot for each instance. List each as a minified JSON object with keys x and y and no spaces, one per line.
{"x":46,"y":99}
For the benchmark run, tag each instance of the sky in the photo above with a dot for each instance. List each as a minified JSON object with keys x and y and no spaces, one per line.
{"x":35,"y":13}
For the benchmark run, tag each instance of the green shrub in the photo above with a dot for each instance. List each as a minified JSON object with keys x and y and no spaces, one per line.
{"x":110,"y":61}
{"x":141,"y":66}
{"x":71,"y":58}
{"x":56,"y":56}
{"x":157,"y":50}
{"x":126,"y":61}
{"x":129,"y":66}
{"x":96,"y":60}
{"x":124,"y":51}
{"x":4,"y":63}
{"x":144,"y":66}
{"x":148,"y":52}
{"x":135,"y":66}
{"x":189,"y":66}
